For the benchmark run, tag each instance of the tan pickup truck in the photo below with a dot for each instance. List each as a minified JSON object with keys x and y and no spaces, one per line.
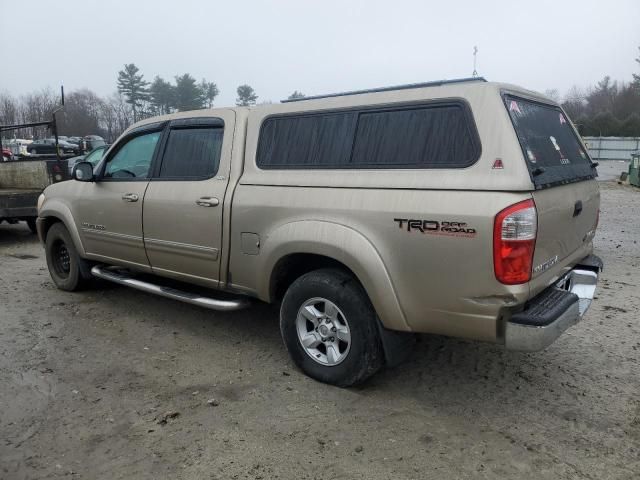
{"x":462,"y":208}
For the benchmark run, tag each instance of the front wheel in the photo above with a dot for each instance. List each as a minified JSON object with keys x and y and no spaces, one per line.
{"x":329,"y":328}
{"x":68,"y":271}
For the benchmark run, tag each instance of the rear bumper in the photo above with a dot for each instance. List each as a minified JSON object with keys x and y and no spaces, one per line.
{"x":557,"y":308}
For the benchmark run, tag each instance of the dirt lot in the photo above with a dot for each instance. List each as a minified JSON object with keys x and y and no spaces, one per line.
{"x":87,"y":380}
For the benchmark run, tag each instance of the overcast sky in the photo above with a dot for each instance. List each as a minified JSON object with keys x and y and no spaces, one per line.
{"x":315,"y":47}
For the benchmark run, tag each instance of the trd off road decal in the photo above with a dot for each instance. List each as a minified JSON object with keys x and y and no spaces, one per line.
{"x":93,"y":226}
{"x":435,"y":227}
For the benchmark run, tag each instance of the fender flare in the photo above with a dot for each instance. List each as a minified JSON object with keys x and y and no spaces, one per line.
{"x":56,"y":209}
{"x":343,"y":244}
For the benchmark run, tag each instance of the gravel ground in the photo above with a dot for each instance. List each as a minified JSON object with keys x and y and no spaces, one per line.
{"x":611,"y":169}
{"x":113,"y":383}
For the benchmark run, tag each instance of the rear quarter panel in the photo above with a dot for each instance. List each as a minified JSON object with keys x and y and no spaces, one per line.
{"x":444,"y":282}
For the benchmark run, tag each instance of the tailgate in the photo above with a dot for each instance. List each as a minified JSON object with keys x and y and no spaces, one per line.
{"x":567,"y":218}
{"x":566,"y":193}
{"x":18,"y":202}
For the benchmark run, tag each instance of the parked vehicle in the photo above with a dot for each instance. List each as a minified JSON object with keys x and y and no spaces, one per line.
{"x":461,"y":208}
{"x":92,"y":157}
{"x":48,"y":146}
{"x":90,"y":142}
{"x":22,"y":182}
{"x":17,"y":146}
{"x":7,"y":154}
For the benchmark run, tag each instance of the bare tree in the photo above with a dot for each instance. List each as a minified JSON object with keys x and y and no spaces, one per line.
{"x":575,"y":102}
{"x":37,"y":107}
{"x":123,"y":114}
{"x":8,"y":112}
{"x":82,"y":114}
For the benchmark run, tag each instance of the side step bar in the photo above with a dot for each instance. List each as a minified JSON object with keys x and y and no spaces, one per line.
{"x":211,"y":303}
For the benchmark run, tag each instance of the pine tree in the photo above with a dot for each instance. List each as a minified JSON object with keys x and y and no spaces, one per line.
{"x":209,"y":91}
{"x":246,"y":96}
{"x":162,"y":96}
{"x":188,"y":94}
{"x":133,"y":86}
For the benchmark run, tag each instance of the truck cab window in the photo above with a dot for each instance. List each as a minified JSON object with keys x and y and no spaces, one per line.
{"x":192,"y":153}
{"x":133,"y":159}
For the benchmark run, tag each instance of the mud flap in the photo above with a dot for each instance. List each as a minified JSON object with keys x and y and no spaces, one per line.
{"x":397,"y":346}
{"x":591,"y":262}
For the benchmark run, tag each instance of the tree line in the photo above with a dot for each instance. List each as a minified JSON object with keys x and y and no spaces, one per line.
{"x":610,"y":108}
{"x":86,"y":113}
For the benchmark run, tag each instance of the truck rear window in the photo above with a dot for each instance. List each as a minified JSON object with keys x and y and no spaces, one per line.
{"x":549,"y":143}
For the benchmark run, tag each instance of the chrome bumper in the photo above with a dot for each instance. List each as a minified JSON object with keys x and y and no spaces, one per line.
{"x":561,"y":306}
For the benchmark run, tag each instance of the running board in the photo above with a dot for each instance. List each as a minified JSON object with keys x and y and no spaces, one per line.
{"x":211,"y":303}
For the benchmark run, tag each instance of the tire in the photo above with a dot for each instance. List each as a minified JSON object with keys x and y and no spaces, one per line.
{"x":327,"y":356}
{"x":31,"y":223}
{"x":68,"y":271}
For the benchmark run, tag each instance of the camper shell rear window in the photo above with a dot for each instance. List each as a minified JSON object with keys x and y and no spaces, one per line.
{"x":438,"y":134}
{"x":551,"y":148}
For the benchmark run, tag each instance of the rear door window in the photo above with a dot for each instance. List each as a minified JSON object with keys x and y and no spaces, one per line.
{"x":192,"y":153}
{"x":551,"y":148}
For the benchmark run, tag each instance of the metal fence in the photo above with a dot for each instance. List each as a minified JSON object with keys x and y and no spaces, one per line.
{"x":612,"y":148}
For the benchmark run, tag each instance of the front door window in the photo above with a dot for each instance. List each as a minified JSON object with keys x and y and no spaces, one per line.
{"x":133,"y":159}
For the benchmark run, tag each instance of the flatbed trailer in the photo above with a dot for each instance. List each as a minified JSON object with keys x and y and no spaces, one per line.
{"x":22,"y":182}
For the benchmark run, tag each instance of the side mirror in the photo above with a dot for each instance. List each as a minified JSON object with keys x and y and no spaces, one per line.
{"x":83,"y":172}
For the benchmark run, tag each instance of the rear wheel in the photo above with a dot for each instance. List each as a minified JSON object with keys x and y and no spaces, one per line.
{"x":68,"y":271}
{"x":329,"y":328}
{"x":31,"y":223}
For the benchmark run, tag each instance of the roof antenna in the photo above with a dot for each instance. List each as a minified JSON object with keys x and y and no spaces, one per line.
{"x":475,"y":58}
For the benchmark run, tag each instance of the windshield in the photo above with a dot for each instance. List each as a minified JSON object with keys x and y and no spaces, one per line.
{"x":549,"y":143}
{"x":95,"y":156}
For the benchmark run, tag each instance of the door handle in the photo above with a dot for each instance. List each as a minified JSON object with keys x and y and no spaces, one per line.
{"x":207,"y":202}
{"x":130,"y":197}
{"x":577,"y":208}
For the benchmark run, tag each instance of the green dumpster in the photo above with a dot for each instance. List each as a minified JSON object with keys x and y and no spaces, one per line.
{"x":634,"y":169}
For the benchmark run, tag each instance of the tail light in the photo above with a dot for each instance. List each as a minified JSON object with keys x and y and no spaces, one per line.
{"x":514,"y":240}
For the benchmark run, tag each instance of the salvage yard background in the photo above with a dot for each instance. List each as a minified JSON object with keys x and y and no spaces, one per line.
{"x":112,"y":383}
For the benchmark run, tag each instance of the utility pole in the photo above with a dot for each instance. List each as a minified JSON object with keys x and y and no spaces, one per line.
{"x":475,"y":55}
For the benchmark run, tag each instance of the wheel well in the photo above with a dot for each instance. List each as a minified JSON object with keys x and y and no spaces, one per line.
{"x":293,"y":266}
{"x":48,"y":223}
